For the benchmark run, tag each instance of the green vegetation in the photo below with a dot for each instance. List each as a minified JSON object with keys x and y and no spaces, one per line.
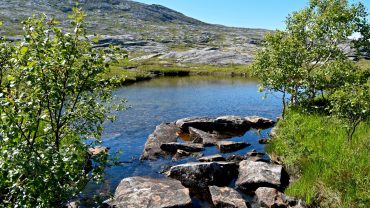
{"x":329,"y":103}
{"x":130,"y":71}
{"x":306,"y":59}
{"x":329,"y":171}
{"x":52,"y":99}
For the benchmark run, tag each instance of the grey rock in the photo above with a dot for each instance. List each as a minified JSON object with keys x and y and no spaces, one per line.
{"x":234,"y":124}
{"x":207,"y":139}
{"x":140,"y":192}
{"x":270,"y":197}
{"x":172,"y":147}
{"x":212,"y":158}
{"x":229,"y":146}
{"x":164,"y":133}
{"x":253,"y":175}
{"x":260,"y":122}
{"x":201,"y":175}
{"x":225,"y":197}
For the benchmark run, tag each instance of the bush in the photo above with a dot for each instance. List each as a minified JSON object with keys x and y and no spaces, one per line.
{"x":52,"y":98}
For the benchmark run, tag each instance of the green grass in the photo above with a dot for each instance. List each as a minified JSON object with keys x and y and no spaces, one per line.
{"x":329,"y":171}
{"x":129,"y":71}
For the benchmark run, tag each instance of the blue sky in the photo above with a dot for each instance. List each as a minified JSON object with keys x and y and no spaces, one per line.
{"x":268,"y":14}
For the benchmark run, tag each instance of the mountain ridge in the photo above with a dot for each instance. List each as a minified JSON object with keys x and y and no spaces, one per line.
{"x":141,"y":28}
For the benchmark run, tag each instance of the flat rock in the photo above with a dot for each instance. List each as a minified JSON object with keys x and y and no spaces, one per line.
{"x":253,"y":175}
{"x":172,"y":147}
{"x":201,"y":175}
{"x":164,"y":133}
{"x":230,"y":146}
{"x":199,"y":136}
{"x":225,"y":197}
{"x":212,"y":158}
{"x":270,"y":197}
{"x":140,"y":192}
{"x":257,"y":122}
{"x":202,"y":123}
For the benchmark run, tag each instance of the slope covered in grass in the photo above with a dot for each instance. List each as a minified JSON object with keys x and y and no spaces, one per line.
{"x":329,"y":171}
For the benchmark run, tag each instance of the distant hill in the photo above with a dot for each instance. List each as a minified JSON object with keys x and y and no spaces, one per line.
{"x":138,"y":27}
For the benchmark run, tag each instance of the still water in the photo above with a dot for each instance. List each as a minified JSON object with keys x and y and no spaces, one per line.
{"x":167,"y":99}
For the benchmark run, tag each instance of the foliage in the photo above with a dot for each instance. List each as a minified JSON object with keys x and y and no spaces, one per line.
{"x":306,"y":59}
{"x":327,"y":171}
{"x":352,"y":104}
{"x":52,"y":98}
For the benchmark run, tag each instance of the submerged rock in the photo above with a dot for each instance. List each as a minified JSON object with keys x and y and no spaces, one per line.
{"x":229,"y":146}
{"x":202,"y":175}
{"x":164,"y":133}
{"x":257,"y":122}
{"x":172,"y":147}
{"x":137,"y":192}
{"x":225,"y":197}
{"x":212,"y":158}
{"x":253,"y":175}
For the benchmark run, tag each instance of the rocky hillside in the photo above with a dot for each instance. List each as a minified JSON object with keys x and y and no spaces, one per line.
{"x":143,"y":29}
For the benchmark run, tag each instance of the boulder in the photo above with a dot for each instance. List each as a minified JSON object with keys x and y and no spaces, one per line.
{"x":201,"y":175}
{"x":270,"y":197}
{"x":235,"y":125}
{"x":202,"y":123}
{"x":257,"y":122}
{"x":229,"y":146}
{"x":164,"y":133}
{"x":138,"y":192}
{"x":212,"y":158}
{"x":172,"y":147}
{"x":253,"y":175}
{"x":199,"y":136}
{"x":227,"y":197}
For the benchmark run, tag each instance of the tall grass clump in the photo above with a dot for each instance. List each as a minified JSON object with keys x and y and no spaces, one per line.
{"x":329,"y":171}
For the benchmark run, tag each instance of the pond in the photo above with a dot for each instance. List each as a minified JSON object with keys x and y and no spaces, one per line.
{"x":168,"y":99}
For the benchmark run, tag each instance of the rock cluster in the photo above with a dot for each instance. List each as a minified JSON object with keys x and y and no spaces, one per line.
{"x":214,"y":175}
{"x":202,"y":132}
